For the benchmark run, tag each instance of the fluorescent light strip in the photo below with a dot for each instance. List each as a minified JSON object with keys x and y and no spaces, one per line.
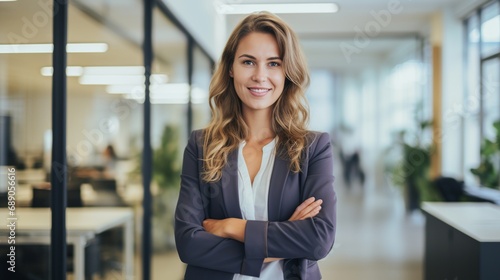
{"x":113,"y":70}
{"x":120,"y":79}
{"x":87,"y":47}
{"x":234,"y":9}
{"x":49,"y":48}
{"x":162,"y":94}
{"x":158,"y":90}
{"x":71,"y":71}
{"x":97,"y":70}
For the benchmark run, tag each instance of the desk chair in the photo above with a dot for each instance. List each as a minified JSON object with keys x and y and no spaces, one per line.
{"x":42,"y":197}
{"x":111,"y":240}
{"x":4,"y":199}
{"x":107,"y":193}
{"x":104,"y":184}
{"x":449,"y":188}
{"x":28,"y":257}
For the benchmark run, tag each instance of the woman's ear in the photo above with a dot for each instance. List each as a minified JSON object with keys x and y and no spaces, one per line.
{"x":231,"y":73}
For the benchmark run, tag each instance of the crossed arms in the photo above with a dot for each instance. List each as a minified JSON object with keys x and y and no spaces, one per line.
{"x":240,"y":246}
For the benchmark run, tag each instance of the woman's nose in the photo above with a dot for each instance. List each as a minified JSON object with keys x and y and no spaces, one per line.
{"x":260,"y":74}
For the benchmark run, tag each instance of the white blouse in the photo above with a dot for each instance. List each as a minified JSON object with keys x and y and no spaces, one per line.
{"x":253,"y":202}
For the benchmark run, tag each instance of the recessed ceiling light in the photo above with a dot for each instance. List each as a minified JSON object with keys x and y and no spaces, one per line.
{"x":292,"y":8}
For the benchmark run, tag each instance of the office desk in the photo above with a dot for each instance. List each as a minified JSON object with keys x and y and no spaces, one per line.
{"x":462,"y":241}
{"x":82,"y":224}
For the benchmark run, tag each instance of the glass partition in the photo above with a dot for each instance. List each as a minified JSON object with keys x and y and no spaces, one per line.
{"x":25,"y":127}
{"x":202,"y":73}
{"x":169,"y":121}
{"x":105,"y":124}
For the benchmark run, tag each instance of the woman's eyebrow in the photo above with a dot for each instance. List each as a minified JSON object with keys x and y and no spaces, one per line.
{"x":274,"y":58}
{"x":253,"y":57}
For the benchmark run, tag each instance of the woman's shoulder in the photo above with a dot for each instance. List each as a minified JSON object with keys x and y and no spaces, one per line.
{"x":195,"y":140}
{"x":317,"y":142}
{"x":197,"y":135}
{"x":317,"y":137}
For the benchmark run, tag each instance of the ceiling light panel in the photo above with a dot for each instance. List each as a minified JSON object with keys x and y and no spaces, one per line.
{"x":297,"y":8}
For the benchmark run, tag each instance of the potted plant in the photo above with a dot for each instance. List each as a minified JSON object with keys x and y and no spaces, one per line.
{"x":165,"y":186}
{"x":412,"y":170}
{"x":166,"y":180}
{"x":488,"y":170}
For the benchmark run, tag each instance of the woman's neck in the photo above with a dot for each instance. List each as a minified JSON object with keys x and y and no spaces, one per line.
{"x":259,"y":126}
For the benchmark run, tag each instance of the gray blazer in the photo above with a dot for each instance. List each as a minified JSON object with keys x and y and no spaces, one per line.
{"x":300,"y":243}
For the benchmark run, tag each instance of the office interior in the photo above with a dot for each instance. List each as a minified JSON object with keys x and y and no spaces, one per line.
{"x":408,"y":90}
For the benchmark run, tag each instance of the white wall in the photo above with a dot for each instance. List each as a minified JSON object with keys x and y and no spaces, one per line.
{"x":320,"y":97}
{"x":200,"y":18}
{"x":452,"y":93}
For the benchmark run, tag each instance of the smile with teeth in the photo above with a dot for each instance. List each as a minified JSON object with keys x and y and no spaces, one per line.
{"x":259,"y":90}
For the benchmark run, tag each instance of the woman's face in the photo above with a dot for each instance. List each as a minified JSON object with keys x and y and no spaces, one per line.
{"x":257,"y":71}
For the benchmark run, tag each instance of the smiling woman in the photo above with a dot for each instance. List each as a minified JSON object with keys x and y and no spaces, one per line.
{"x":257,"y":73}
{"x":257,"y":196}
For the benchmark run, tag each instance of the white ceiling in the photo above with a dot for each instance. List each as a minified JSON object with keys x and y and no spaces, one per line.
{"x":321,"y":35}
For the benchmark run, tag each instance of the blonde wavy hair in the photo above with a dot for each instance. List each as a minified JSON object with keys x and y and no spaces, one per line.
{"x":290,"y":113}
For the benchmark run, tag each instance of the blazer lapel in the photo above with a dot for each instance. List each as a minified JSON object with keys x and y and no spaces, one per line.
{"x":230,"y":186}
{"x":276,"y":186}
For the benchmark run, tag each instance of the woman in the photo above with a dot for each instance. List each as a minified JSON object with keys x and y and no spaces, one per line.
{"x":257,"y":197}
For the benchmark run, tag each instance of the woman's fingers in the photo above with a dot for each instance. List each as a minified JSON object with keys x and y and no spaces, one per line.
{"x":308,"y":208}
{"x":311,"y":209}
{"x":296,"y":214}
{"x":304,"y":204}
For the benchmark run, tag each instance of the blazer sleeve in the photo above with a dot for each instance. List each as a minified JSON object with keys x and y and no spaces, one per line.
{"x":312,"y":238}
{"x":195,"y":245}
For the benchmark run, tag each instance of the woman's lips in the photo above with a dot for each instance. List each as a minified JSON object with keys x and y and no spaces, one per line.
{"x":258,"y":91}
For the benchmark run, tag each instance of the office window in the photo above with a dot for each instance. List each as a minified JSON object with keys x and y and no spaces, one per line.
{"x":490,"y":29}
{"x":471,"y":120}
{"x":491,"y":97}
{"x":482,"y":96}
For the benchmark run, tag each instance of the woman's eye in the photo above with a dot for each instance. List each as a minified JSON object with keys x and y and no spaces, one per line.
{"x":274,"y":64}
{"x":248,"y":62}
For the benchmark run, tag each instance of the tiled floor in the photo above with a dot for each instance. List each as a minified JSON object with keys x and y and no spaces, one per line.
{"x":376,"y":239}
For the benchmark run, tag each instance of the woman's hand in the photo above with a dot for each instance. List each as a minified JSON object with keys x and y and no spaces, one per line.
{"x":307,"y":209}
{"x":216,"y":227}
{"x":226,"y":228}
